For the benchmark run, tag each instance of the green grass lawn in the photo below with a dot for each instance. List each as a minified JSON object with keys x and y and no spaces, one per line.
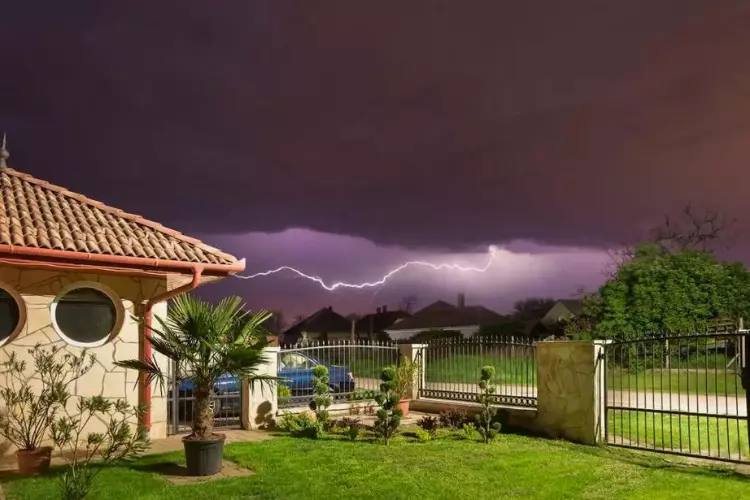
{"x":716,"y":437}
{"x":689,"y":381}
{"x":465,"y":368}
{"x":511,"y":467}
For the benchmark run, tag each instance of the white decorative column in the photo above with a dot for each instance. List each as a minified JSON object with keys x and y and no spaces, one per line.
{"x":260,"y":400}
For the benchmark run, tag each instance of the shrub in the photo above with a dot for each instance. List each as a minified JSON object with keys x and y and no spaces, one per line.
{"x":423,"y":436}
{"x":429,"y":424}
{"x":470,"y":433}
{"x":301,"y":425}
{"x":29,"y":413}
{"x":406,"y":371}
{"x":350,"y":427}
{"x":283,"y":392}
{"x":361,"y":395}
{"x":488,"y":428}
{"x":321,"y":394}
{"x":389,"y":415}
{"x":454,"y":418}
{"x":117,"y":443}
{"x":355,"y":410}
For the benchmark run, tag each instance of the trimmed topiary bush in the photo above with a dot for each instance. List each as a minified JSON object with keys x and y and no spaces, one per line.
{"x":389,"y":415}
{"x":485,"y":419}
{"x":321,"y":399}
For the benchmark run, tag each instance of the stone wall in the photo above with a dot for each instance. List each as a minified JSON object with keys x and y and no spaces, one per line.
{"x":38,"y":290}
{"x":570,"y":397}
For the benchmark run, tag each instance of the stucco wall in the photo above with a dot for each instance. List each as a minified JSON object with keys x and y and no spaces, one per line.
{"x":570,"y":390}
{"x":39,"y":288}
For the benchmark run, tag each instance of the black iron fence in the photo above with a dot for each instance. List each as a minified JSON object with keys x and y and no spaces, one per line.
{"x":353,"y":368}
{"x":452,"y":368}
{"x":680,"y":394}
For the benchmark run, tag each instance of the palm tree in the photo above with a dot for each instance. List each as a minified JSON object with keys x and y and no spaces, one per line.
{"x":206,"y":341}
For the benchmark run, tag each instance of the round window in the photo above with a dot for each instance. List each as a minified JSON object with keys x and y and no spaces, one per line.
{"x":10,"y":315}
{"x":85,"y":316}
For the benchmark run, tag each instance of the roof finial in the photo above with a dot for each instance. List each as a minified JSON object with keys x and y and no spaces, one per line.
{"x":4,"y":151}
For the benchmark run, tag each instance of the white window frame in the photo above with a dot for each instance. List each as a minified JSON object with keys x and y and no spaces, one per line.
{"x":22,"y":318}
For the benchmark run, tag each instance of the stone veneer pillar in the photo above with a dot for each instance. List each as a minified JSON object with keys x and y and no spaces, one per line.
{"x":570,"y":399}
{"x":260,"y":401}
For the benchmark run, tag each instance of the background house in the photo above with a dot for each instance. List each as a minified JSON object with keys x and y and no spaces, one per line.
{"x":324,"y":324}
{"x":548,"y":323}
{"x":440,"y":315}
{"x":74,"y":272}
{"x":373,"y":326}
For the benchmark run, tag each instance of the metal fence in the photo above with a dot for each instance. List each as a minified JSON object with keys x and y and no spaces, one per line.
{"x":680,"y":395}
{"x":452,"y":368}
{"x":354,"y":369}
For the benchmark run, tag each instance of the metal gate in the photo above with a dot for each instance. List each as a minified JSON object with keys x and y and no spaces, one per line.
{"x":682,"y":395}
{"x":354,"y":369}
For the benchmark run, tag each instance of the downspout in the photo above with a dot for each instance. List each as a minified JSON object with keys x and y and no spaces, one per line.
{"x":147,"y":317}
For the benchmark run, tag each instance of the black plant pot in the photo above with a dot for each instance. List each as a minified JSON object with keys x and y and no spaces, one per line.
{"x":204,"y":458}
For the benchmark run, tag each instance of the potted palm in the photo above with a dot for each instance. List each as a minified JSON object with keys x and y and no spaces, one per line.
{"x":406,"y":372}
{"x":206,"y":341}
{"x":32,"y":399}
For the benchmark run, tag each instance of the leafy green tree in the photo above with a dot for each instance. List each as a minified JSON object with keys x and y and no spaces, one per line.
{"x":663,"y":292}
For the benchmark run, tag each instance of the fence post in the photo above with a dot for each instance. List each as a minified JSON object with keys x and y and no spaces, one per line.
{"x":416,"y":353}
{"x":571,"y":391}
{"x":260,"y":401}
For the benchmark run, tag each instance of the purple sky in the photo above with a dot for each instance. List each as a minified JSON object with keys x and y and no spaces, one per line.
{"x":435,"y":126}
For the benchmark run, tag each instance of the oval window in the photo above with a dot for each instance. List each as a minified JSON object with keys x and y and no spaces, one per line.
{"x":85,"y":316}
{"x":10,"y":315}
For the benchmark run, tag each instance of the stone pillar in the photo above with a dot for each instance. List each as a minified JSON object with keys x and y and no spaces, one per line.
{"x":412,"y":352}
{"x":260,"y":400}
{"x":570,"y":399}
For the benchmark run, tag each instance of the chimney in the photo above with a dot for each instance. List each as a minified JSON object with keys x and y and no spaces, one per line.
{"x":461,"y":300}
{"x":377,"y":310}
{"x":384,"y":309}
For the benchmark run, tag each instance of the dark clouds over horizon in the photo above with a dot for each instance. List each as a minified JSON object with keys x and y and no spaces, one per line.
{"x":419,"y":124}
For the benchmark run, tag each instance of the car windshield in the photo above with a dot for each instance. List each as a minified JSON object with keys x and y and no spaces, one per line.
{"x":295,"y":361}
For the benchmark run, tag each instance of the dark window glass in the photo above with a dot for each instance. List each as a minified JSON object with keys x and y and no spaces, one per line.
{"x":85,"y":315}
{"x":9,"y":314}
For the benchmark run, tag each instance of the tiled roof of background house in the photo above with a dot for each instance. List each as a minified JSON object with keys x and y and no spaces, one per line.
{"x":37,"y":214}
{"x":378,"y":322}
{"x":324,"y":320}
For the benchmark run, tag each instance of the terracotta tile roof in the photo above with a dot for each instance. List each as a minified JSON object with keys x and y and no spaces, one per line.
{"x":37,"y":214}
{"x":443,"y":315}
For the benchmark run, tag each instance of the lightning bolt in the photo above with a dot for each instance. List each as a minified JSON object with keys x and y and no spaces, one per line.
{"x":381,"y":281}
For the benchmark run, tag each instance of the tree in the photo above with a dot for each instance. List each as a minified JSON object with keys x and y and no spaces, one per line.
{"x":660,"y":291}
{"x":532,"y":307}
{"x":206,"y":341}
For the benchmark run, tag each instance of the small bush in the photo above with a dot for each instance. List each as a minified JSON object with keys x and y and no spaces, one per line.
{"x":301,"y":425}
{"x":355,"y":410}
{"x":486,"y":423}
{"x":423,"y":436}
{"x":429,"y":424}
{"x":389,"y":415}
{"x":470,"y":433}
{"x":361,"y":395}
{"x":284,"y":392}
{"x":321,"y":399}
{"x":454,"y":418}
{"x":350,"y":427}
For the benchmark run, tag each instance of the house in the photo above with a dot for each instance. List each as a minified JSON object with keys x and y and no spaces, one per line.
{"x":549,"y":322}
{"x":373,"y":326}
{"x":323,"y":325}
{"x":441,"y":315}
{"x":75,"y":272}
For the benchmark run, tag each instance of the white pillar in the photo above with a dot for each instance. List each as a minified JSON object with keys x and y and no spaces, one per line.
{"x":260,"y":400}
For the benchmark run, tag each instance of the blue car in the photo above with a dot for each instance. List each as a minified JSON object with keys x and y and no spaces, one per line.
{"x":295,"y":368}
